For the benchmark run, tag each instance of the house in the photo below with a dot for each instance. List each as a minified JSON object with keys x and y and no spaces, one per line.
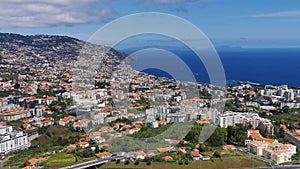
{"x":30,"y":167}
{"x":66,"y":120}
{"x":162,"y":150}
{"x":35,"y":161}
{"x":162,"y":122}
{"x":153,"y":124}
{"x":103,"y":155}
{"x":84,"y":144}
{"x":81,"y":123}
{"x":195,"y":154}
{"x":167,"y":158}
{"x":204,"y":158}
{"x":202,"y":122}
{"x":99,"y":140}
{"x":139,"y":155}
{"x":71,"y":147}
{"x":182,"y":149}
{"x":172,"y":141}
{"x":26,"y":125}
{"x":229,"y":147}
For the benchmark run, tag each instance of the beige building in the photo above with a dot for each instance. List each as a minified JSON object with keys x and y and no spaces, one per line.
{"x":270,"y":149}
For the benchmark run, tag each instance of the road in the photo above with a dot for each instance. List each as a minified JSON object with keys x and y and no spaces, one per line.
{"x":92,"y":163}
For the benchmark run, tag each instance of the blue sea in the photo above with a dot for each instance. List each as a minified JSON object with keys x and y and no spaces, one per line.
{"x":264,"y":66}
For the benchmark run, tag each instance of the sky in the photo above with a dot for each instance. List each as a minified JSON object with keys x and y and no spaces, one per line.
{"x":233,"y":23}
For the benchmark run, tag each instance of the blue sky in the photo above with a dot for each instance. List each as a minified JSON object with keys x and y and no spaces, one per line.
{"x":235,"y":23}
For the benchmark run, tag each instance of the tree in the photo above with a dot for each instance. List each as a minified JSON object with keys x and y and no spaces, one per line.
{"x":236,"y":135}
{"x":97,"y":150}
{"x":202,"y":147}
{"x":17,"y":86}
{"x":218,"y":138}
{"x":281,"y":133}
{"x":126,"y":162}
{"x":87,"y":153}
{"x":217,"y":154}
{"x":286,"y":110}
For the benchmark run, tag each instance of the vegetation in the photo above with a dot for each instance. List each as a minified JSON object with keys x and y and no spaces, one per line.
{"x":144,"y":103}
{"x":55,"y":136}
{"x":236,"y":135}
{"x":101,"y":85}
{"x":223,"y":163}
{"x":204,"y":94}
{"x":60,"y":159}
{"x":147,"y":132}
{"x":194,"y":134}
{"x":218,"y":138}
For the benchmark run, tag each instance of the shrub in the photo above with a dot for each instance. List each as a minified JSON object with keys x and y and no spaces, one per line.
{"x":217,"y":154}
{"x":126,"y":162}
{"x":136,"y":162}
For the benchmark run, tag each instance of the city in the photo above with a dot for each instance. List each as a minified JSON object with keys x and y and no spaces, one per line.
{"x":149,"y":84}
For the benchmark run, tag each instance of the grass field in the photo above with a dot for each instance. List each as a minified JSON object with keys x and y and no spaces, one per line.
{"x":60,"y":159}
{"x":223,"y":163}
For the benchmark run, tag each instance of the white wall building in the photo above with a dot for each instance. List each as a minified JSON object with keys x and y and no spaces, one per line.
{"x":12,"y":140}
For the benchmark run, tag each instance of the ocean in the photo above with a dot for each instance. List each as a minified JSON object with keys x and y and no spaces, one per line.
{"x":264,"y":66}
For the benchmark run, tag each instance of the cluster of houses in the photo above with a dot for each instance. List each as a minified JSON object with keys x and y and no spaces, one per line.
{"x":16,"y":108}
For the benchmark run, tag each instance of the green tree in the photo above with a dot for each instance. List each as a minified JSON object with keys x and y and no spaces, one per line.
{"x":281,"y":133}
{"x":286,"y":110}
{"x":97,"y":150}
{"x":137,"y":162}
{"x":126,"y":162}
{"x":218,"y":138}
{"x":217,"y":154}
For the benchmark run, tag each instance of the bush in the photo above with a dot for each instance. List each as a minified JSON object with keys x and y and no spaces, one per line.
{"x":118,"y":161}
{"x":126,"y":162}
{"x":148,"y":163}
{"x":186,"y":162}
{"x":217,"y":154}
{"x":180,"y":162}
{"x":136,"y":162}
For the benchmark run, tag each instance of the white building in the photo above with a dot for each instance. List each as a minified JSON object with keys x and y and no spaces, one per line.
{"x":232,"y":118}
{"x":229,"y":119}
{"x":12,"y":140}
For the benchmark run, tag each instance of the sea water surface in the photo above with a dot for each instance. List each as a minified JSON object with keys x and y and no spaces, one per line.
{"x":264,"y":66}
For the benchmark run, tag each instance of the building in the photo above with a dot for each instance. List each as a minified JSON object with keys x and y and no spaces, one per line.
{"x":66,"y":120}
{"x":268,"y":148}
{"x":248,"y":118}
{"x":80,"y":124}
{"x":12,"y":140}
{"x":104,"y":155}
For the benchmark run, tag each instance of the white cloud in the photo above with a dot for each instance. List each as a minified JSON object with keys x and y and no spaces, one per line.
{"x":285,"y":14}
{"x":43,"y":13}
